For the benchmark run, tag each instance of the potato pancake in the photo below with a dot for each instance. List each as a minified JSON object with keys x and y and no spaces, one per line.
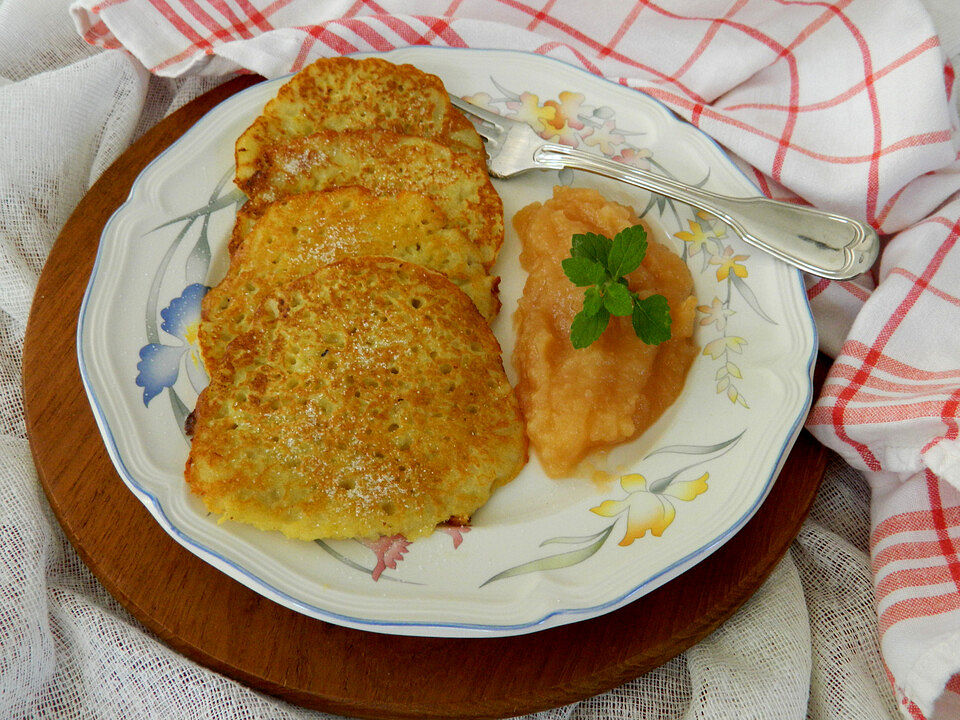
{"x":304,"y":232}
{"x":385,"y":163}
{"x":347,"y":94}
{"x":367,"y":399}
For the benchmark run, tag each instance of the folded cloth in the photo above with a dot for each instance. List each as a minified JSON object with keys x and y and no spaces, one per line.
{"x":889,"y":406}
{"x":845,"y":105}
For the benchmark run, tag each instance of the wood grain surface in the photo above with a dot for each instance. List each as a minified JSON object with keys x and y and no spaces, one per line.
{"x":221,"y":624}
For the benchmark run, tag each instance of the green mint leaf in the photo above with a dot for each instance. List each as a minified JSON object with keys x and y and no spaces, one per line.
{"x":618,"y":300}
{"x":587,"y":328}
{"x":627,"y":251}
{"x":584,"y":271}
{"x":592,"y":301}
{"x":651,"y":319}
{"x":591,"y":246}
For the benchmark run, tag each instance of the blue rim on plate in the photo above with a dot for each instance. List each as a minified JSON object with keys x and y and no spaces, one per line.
{"x":452,"y":66}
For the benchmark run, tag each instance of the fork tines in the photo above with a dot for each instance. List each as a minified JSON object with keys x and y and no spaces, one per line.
{"x":484,"y":117}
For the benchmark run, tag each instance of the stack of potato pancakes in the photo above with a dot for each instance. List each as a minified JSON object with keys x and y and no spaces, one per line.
{"x":356,"y":389}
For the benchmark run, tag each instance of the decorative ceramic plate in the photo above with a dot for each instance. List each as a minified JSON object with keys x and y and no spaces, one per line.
{"x":541,"y":552}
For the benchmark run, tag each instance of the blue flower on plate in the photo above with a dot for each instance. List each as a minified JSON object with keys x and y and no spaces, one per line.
{"x":159,"y":365}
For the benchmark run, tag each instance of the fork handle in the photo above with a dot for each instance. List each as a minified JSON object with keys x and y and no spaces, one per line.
{"x":821,"y":243}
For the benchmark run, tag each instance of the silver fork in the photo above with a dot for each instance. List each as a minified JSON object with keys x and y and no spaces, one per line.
{"x":821,"y":243}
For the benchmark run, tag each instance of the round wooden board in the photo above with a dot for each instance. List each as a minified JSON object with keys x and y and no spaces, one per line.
{"x":221,"y":624}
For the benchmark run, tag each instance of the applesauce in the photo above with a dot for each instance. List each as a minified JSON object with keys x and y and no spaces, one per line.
{"x":578,"y":401}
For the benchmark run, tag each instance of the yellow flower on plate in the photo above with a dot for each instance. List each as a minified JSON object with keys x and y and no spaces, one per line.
{"x":565,"y":135}
{"x":192,"y":336}
{"x":566,"y":122}
{"x":696,"y":237}
{"x":527,"y":109}
{"x":568,"y":110}
{"x":648,"y":510}
{"x":728,"y":263}
{"x":716,"y":348}
{"x":719,"y":230}
{"x":716,"y":313}
{"x":603,"y":137}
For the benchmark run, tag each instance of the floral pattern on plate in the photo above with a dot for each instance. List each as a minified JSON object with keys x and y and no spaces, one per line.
{"x":140,"y":367}
{"x":571,"y":120}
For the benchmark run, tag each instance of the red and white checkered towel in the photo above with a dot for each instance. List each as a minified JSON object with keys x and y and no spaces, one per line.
{"x":846,"y":105}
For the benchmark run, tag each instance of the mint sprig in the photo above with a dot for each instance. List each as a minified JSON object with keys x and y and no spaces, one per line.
{"x":601,"y":265}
